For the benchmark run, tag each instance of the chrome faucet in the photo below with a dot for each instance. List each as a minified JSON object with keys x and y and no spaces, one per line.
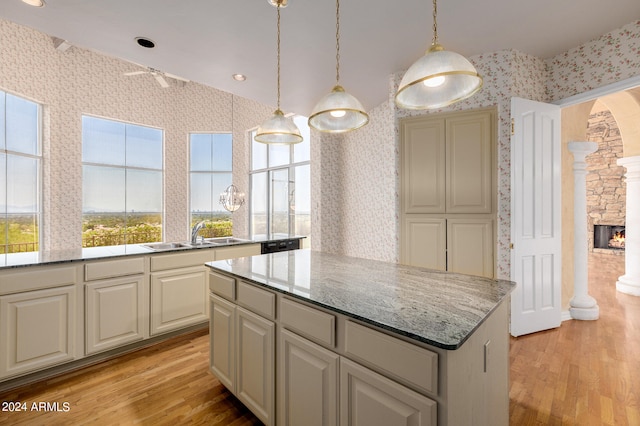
{"x":194,"y":231}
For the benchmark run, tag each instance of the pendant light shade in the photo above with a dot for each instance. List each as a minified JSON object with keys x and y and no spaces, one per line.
{"x":438,"y":79}
{"x":338,"y":111}
{"x":278,"y":129}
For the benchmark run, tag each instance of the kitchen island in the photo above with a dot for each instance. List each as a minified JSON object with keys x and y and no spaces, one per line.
{"x":306,"y":337}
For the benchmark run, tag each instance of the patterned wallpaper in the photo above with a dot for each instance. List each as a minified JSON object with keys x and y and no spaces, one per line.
{"x":78,"y":82}
{"x":612,"y":57}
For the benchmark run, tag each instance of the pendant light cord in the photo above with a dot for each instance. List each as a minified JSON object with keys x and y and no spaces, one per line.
{"x":278,"y":43}
{"x":434,"y":41}
{"x":337,"y":41}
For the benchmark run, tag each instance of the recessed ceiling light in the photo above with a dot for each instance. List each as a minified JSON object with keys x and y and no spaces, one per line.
{"x":145,"y":42}
{"x":239,"y":77}
{"x":35,"y":3}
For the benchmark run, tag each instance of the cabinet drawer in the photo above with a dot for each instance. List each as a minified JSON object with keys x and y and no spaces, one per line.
{"x":222,"y":286}
{"x":37,"y":278}
{"x":241,"y":250}
{"x":260,"y":301}
{"x":184,"y":259}
{"x":308,"y":322}
{"x":113,"y":268}
{"x":401,"y":360}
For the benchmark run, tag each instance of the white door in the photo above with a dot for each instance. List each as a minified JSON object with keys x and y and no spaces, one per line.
{"x":535,"y":216}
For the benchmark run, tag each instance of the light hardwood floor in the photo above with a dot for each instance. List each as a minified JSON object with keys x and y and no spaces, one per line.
{"x":583,"y":373}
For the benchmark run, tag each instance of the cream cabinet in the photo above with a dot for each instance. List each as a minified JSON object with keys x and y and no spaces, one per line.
{"x":37,"y":329}
{"x":255,"y":364}
{"x":331,"y":369}
{"x":116,"y":313}
{"x":447,"y":163}
{"x":178,"y":299}
{"x":222,"y":351}
{"x":368,"y":398}
{"x":242,"y":345}
{"x":307,"y":382}
{"x":461,"y":244}
{"x":116,"y":303}
{"x":448,"y":195}
{"x":470,"y":245}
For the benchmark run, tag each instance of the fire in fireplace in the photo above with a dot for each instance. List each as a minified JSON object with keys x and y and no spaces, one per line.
{"x":608,"y":237}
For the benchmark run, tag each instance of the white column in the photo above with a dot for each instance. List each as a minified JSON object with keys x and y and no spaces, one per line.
{"x":630,"y":282}
{"x":583,"y":306}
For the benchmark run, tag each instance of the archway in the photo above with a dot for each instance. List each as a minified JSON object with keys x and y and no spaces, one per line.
{"x":620,"y":198}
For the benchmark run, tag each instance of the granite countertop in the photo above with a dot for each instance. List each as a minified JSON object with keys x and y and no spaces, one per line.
{"x":48,"y":257}
{"x":439,"y":308}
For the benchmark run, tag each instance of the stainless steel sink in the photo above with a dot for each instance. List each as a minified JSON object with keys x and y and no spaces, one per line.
{"x":225,"y":240}
{"x":199,"y":244}
{"x":207,"y":242}
{"x":166,"y":246}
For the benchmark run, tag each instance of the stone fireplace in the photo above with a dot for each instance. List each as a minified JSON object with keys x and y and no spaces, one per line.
{"x":606,"y":188}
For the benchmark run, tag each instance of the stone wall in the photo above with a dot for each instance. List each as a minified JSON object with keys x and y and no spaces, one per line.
{"x":606,"y":188}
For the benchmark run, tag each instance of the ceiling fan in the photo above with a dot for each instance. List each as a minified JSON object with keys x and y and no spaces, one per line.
{"x":158,"y":75}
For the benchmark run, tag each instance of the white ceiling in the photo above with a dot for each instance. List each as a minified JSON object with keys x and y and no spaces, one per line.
{"x":209,"y":40}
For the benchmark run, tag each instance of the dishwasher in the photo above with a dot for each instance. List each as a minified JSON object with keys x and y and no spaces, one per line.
{"x":281,"y":245}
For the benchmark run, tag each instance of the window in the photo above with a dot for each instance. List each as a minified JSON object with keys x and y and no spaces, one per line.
{"x":121,"y":183}
{"x":281,"y":186}
{"x":20,"y":164}
{"x":211,"y":164}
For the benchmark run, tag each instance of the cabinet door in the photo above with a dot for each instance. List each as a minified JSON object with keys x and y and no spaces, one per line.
{"x":469,"y":166}
{"x":423,"y":166}
{"x":178,"y":298}
{"x":424,"y":242}
{"x":115,"y":313}
{"x":255,"y":385}
{"x":222,"y":352}
{"x":37,"y":329}
{"x":308,"y":383}
{"x":470,"y":246}
{"x":369,"y":399}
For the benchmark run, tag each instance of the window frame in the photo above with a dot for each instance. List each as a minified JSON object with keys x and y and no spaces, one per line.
{"x":269,"y":170}
{"x":40,"y":158}
{"x":210,"y":172}
{"x":126,"y":168}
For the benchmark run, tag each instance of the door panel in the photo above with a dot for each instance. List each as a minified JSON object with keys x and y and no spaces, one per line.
{"x":424,"y":242}
{"x":469,"y":164}
{"x":423,"y":165}
{"x":535,"y":212}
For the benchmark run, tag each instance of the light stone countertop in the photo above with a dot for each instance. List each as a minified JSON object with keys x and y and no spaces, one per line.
{"x":51,"y":257}
{"x":439,"y":308}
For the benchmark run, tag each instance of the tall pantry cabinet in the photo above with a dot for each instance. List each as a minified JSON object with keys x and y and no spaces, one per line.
{"x":448,"y":192}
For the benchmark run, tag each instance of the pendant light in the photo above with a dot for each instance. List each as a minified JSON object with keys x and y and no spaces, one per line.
{"x":438,"y":79}
{"x":338,"y":111}
{"x":278,"y":129}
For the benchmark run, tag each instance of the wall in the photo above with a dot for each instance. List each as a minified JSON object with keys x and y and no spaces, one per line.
{"x":607,"y":59}
{"x":78,"y":82}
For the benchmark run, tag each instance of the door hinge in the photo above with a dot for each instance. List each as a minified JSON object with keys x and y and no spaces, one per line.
{"x":511,"y":246}
{"x":513,"y":127}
